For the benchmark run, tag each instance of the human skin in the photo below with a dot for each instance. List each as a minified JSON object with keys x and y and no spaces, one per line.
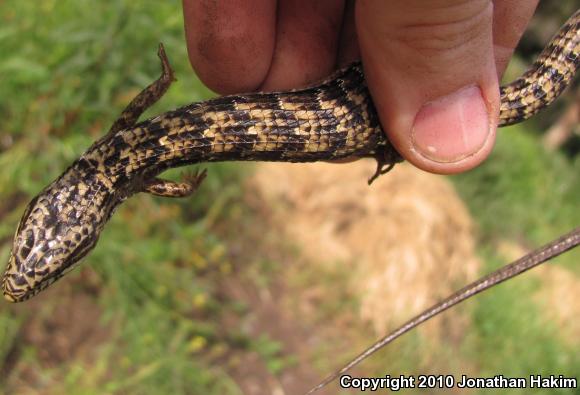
{"x":432,"y":66}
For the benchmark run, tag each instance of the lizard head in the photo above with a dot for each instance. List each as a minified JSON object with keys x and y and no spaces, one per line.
{"x":57,"y":229}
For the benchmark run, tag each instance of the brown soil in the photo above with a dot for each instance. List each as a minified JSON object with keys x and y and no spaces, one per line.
{"x":67,"y":329}
{"x":400,"y":245}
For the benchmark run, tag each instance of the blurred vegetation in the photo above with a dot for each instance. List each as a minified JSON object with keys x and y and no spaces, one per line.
{"x":523,"y":192}
{"x":526,"y":192}
{"x":67,"y":69}
{"x":527,"y":195}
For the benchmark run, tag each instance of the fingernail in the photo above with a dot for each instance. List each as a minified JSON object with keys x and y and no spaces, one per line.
{"x":453,"y":127}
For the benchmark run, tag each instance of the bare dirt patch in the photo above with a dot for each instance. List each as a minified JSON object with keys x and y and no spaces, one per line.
{"x":407,"y":241}
{"x":65,"y":331}
{"x":394,"y":248}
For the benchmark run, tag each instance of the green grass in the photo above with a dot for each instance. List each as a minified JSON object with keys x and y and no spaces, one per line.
{"x":528,"y":196}
{"x":513,"y":338}
{"x":523,"y":192}
{"x":67,"y":70}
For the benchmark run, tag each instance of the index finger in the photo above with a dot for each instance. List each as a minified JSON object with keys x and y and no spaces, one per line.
{"x":230,"y":43}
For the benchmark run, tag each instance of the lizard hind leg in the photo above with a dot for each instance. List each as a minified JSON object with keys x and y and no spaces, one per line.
{"x":386,"y":158}
{"x":165,"y":188}
{"x":147,"y":97}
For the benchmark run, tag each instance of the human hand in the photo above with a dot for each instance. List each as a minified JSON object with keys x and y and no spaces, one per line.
{"x":432,"y":66}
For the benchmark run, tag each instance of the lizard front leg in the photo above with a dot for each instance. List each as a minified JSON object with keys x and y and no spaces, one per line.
{"x":147,"y":97}
{"x":165,"y":188}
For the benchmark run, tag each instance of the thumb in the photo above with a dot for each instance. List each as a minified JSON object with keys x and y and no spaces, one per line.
{"x":431,"y":71}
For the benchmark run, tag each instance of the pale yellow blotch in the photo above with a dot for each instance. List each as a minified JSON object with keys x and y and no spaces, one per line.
{"x":261,"y":144}
{"x":209,"y":133}
{"x":254,"y":129}
{"x":322,"y":146}
{"x":244,"y":106}
{"x":82,"y":188}
{"x":210,"y":116}
{"x":129,"y":138}
{"x":261,"y":114}
{"x":328,"y":104}
{"x":290,"y":106}
{"x":357,"y":99}
{"x":340,"y":112}
{"x":105,"y":180}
